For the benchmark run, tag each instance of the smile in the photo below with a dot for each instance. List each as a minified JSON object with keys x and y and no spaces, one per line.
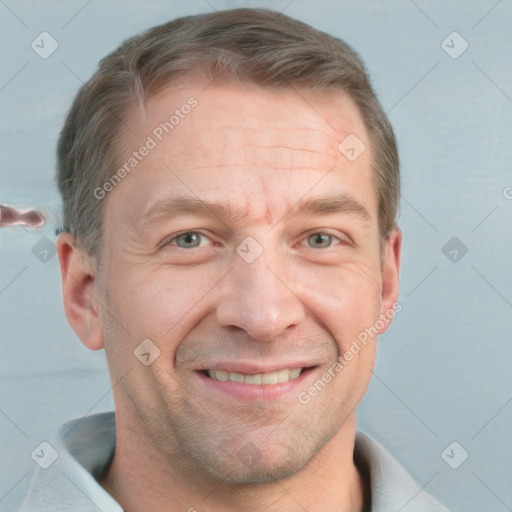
{"x":269,"y":378}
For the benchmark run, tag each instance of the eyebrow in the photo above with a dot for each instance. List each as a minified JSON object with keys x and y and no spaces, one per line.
{"x":186,"y":205}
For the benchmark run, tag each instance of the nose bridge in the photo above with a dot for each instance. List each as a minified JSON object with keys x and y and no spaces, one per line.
{"x":259,"y":288}
{"x":256,"y":300}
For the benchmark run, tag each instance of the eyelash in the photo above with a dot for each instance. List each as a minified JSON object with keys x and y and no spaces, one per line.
{"x":334,"y":237}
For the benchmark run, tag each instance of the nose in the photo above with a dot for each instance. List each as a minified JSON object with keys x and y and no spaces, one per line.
{"x":258,"y":300}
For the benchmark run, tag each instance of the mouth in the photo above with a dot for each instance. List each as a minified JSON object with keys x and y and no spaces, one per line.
{"x":260,"y":379}
{"x":249,"y":380}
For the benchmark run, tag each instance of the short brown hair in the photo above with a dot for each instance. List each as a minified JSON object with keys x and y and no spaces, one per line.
{"x":255,"y":45}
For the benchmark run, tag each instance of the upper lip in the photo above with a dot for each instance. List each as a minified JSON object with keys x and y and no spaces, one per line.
{"x":254,"y":368}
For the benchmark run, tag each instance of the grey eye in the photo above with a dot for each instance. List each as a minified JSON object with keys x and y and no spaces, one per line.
{"x":188,"y":240}
{"x":320,"y":240}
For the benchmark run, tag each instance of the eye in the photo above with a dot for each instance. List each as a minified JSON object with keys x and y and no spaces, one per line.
{"x":321,"y":240}
{"x":187,"y":240}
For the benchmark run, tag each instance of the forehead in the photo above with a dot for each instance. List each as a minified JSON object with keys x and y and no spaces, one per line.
{"x":266,"y":143}
{"x":227,"y":114}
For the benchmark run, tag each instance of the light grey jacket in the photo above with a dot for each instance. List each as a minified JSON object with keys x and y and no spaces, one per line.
{"x":67,"y":467}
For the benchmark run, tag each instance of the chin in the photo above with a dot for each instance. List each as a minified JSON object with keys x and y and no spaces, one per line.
{"x":260,"y":462}
{"x":259,"y":472}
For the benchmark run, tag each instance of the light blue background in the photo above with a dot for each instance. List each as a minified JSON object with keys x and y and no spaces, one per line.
{"x":443,"y":372}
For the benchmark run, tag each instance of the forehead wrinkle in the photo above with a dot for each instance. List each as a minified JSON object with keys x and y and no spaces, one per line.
{"x":236,"y":146}
{"x":278,"y":159}
{"x":323,"y":205}
{"x":190,"y":205}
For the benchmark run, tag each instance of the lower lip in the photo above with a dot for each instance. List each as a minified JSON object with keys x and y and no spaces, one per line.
{"x":245,"y":391}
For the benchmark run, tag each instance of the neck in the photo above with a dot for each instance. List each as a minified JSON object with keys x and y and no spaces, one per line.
{"x":141,"y":479}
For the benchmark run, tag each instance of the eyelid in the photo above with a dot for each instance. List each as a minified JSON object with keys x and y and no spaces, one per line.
{"x":342,"y":239}
{"x":345,"y":239}
{"x":169,"y":241}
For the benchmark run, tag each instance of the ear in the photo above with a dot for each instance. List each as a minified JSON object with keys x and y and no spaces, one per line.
{"x":390,"y":279}
{"x":79,"y":286}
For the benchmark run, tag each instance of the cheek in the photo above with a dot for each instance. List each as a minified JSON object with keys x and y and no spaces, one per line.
{"x":163,"y":304}
{"x":346,"y":302}
{"x":346,"y":299}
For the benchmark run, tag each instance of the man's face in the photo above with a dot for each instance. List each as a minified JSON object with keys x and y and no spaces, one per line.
{"x":266,"y":261}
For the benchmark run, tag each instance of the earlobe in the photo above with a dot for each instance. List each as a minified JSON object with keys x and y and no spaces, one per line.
{"x":78,"y":273}
{"x":391,"y":279}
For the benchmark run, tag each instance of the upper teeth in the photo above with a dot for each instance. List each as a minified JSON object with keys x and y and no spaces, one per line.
{"x":257,"y":378}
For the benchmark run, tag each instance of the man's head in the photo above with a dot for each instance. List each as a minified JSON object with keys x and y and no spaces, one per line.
{"x":241,"y":181}
{"x":257,"y":46}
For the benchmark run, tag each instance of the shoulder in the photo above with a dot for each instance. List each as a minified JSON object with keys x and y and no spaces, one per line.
{"x":392,"y":487}
{"x":67,"y":481}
